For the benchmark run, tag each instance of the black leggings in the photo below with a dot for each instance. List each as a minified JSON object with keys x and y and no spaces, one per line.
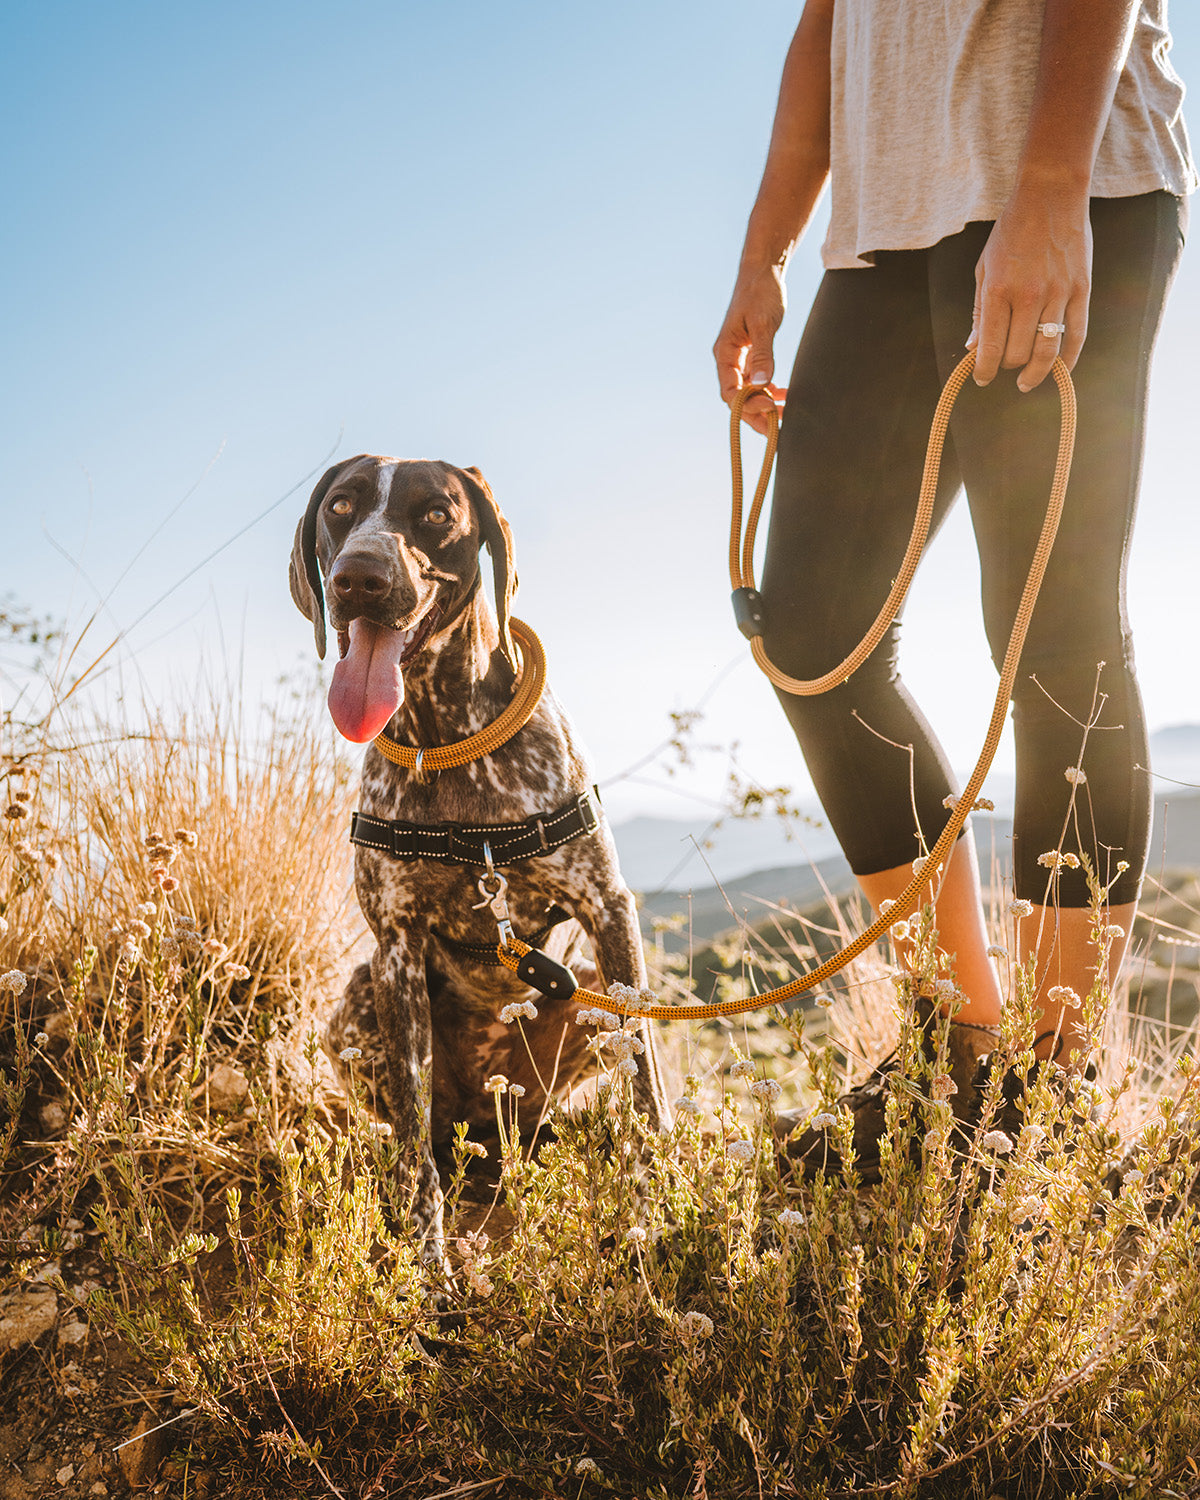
{"x":878,"y":346}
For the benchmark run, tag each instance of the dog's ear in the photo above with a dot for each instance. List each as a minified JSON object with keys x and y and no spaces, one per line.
{"x":304,"y":572}
{"x":498,"y":539}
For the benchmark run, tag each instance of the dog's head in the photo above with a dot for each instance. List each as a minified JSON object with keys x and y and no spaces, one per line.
{"x":391,"y":547}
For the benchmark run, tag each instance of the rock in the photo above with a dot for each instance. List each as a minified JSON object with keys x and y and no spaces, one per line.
{"x":140,"y":1458}
{"x":25,"y":1316}
{"x":228,"y":1089}
{"x":53,"y":1118}
{"x":65,"y":1474}
{"x":72,"y":1332}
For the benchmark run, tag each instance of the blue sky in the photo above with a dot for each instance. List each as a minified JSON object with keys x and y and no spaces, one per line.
{"x":242,"y":237}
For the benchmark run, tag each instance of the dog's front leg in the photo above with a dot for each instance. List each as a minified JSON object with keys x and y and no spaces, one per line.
{"x":402,"y":1005}
{"x":620,"y":958}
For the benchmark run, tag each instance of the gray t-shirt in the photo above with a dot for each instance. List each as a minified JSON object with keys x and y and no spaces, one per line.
{"x":931,"y":101}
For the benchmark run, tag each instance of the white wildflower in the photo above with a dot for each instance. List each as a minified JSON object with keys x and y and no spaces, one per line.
{"x":587,"y":1467}
{"x":791,"y":1218}
{"x":41,"y":1039}
{"x":1113,"y":931}
{"x":147,"y":909}
{"x":825,"y":1002}
{"x":1075,"y":775}
{"x":950,"y":803}
{"x":496,"y":1084}
{"x":474,"y":1148}
{"x":519,"y":1008}
{"x":628,"y":1066}
{"x":687,"y":1106}
{"x":945,"y":989}
{"x":885,"y":907}
{"x":766,"y":1090}
{"x":742,"y":1150}
{"x":944,"y":1086}
{"x":997,"y":951}
{"x":823,"y":1121}
{"x":1062,"y":994}
{"x":983,"y":804}
{"x":635,"y":1236}
{"x":349,"y":1054}
{"x":214,"y":947}
{"x":918,"y":865}
{"x":997,"y":1141}
{"x":743,"y":1068}
{"x":900,"y":932}
{"x":695,"y":1325}
{"x":233,"y":971}
{"x":1020,"y":908}
{"x":516,"y":1090}
{"x":14,"y":980}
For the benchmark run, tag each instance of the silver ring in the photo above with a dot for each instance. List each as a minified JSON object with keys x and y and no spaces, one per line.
{"x":1051,"y":330}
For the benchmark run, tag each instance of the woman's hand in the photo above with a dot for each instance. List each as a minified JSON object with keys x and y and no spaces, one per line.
{"x":745,"y":347}
{"x":1036,"y":268}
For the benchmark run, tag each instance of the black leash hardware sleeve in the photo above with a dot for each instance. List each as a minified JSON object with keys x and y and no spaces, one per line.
{"x":551,"y":979}
{"x":748,"y":612}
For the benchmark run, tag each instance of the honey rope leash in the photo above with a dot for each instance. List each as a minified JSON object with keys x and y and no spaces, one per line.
{"x":526,"y":696}
{"x":747,"y":607}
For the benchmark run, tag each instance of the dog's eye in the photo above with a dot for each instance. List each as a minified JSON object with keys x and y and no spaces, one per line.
{"x":437,"y":515}
{"x":341,"y":506}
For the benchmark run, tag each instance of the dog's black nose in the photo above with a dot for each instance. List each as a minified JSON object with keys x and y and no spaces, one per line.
{"x":358,"y":579}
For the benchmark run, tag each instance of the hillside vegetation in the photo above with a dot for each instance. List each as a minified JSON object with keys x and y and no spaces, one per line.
{"x":211,"y":1237}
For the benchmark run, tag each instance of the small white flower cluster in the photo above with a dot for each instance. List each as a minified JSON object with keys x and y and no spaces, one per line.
{"x":524,"y":1008}
{"x":900,"y":932}
{"x":496,"y":1084}
{"x":1053,"y":859}
{"x":473,"y":1249}
{"x":14,"y":980}
{"x":997,"y":951}
{"x":1062,"y":994}
{"x":236,"y":971}
{"x":983,"y":804}
{"x":626,"y":994}
{"x":1075,"y":775}
{"x":349,"y":1054}
{"x":997,"y":1141}
{"x":597,"y":1017}
{"x":740,"y":1150}
{"x":743,"y":1068}
{"x":686,"y":1106}
{"x":693,"y":1326}
{"x":885,"y":907}
{"x":944,"y":989}
{"x":623,"y":1044}
{"x":636,"y":1236}
{"x":766,"y":1090}
{"x":823,"y":1121}
{"x":944,"y":1087}
{"x":1020,"y":908}
{"x":824,"y":1001}
{"x":475,"y":1148}
{"x":587,"y":1468}
{"x":791,"y":1218}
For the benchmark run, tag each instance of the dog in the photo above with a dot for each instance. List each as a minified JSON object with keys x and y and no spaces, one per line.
{"x":388,"y":551}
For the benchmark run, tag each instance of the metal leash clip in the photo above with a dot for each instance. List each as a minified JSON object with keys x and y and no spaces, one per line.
{"x":493,"y":887}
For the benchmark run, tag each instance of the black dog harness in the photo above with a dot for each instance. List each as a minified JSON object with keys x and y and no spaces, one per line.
{"x":485,"y":844}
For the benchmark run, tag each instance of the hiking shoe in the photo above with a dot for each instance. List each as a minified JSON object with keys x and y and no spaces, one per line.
{"x":1079,"y":1090}
{"x":813,"y":1149}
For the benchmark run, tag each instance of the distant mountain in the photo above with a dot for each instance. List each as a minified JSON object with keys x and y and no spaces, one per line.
{"x":676,"y":854}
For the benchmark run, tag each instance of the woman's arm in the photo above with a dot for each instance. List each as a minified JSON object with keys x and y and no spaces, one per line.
{"x":1037,"y":264}
{"x":797,"y":166}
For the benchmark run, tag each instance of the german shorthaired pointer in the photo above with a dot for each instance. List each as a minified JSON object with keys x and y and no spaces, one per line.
{"x":391,"y":547}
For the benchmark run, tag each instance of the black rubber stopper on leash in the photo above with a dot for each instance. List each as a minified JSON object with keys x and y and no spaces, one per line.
{"x":748,"y":611}
{"x":551,"y":979}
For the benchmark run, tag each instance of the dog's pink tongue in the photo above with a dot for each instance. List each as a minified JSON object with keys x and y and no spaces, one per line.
{"x":368,"y":686}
